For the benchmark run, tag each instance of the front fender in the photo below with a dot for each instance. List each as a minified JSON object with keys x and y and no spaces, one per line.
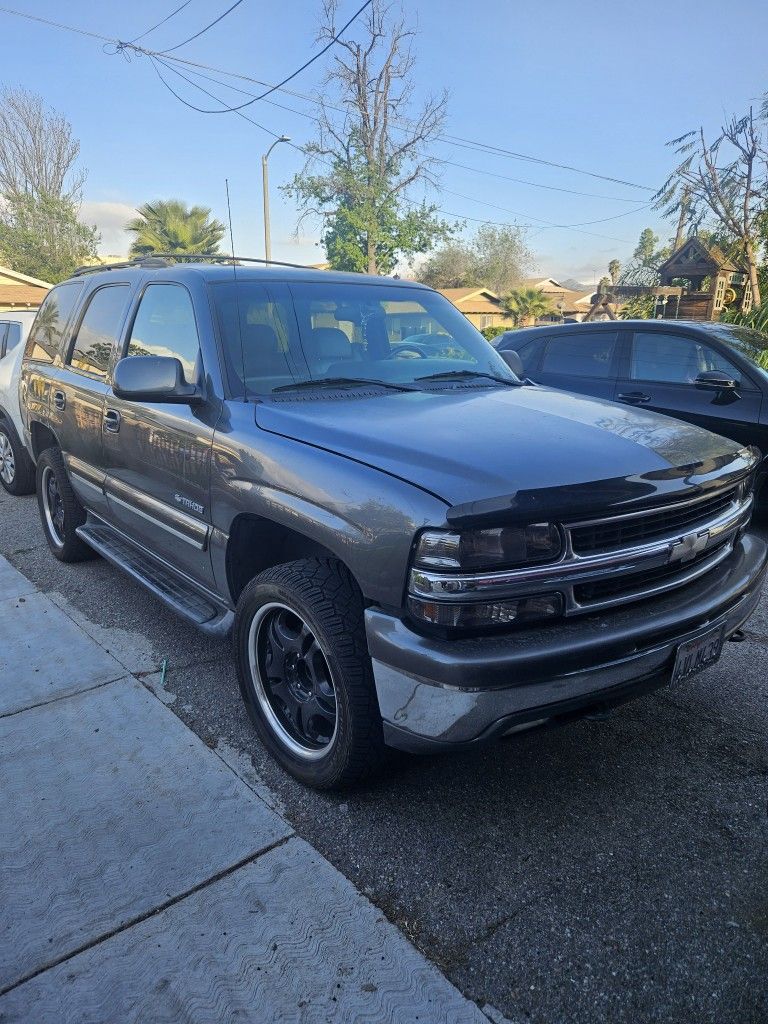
{"x":365,"y":517}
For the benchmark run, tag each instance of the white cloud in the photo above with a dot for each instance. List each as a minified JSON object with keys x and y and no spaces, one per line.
{"x":110,"y":218}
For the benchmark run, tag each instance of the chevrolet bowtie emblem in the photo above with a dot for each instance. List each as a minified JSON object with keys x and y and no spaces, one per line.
{"x":688,"y":547}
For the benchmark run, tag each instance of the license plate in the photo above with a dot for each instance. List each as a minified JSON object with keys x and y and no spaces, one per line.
{"x":695,"y":655}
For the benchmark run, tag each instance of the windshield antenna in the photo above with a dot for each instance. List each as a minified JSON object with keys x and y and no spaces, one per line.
{"x":237,"y":291}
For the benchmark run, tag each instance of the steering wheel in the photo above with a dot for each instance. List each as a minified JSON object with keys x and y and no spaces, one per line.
{"x":395,"y":351}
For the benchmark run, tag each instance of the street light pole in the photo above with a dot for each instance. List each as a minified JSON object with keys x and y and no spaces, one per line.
{"x":265,"y":194}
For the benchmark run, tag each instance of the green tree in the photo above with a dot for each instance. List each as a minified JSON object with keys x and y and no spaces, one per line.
{"x":725,"y":179}
{"x":526,"y":305}
{"x":366,"y":160}
{"x":643,"y":268}
{"x":614,"y":271}
{"x":497,"y":258}
{"x":169,"y":225}
{"x":42,"y":236}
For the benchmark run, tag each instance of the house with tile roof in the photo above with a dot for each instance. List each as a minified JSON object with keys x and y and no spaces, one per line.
{"x":480,"y":306}
{"x":18,"y":291}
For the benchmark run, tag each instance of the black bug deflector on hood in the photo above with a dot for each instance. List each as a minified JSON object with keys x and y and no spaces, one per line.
{"x":620,"y":494}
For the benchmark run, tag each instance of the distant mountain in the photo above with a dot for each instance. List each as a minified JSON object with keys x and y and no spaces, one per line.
{"x":575,"y":286}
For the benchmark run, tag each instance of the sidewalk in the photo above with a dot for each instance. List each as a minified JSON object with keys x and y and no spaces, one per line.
{"x":141,"y":880}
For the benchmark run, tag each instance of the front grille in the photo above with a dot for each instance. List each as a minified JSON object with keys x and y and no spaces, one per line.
{"x":613,"y":534}
{"x":626,"y":586}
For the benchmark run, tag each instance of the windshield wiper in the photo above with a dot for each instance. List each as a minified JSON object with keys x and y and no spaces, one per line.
{"x":338,"y":382}
{"x":465,"y":374}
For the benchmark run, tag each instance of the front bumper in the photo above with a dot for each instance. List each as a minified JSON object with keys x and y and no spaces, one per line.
{"x":436,"y":693}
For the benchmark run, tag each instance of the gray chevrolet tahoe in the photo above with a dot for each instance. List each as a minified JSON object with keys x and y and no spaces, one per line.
{"x":411,"y":545}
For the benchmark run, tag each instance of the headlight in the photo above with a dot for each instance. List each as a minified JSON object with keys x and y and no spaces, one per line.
{"x":487,"y":614}
{"x":499,"y":548}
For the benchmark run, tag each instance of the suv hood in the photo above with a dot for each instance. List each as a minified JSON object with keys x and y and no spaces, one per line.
{"x":488,"y":451}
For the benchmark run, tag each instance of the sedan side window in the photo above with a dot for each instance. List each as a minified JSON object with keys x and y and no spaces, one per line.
{"x":581,"y":354}
{"x":674,"y":359}
{"x":99,"y":330}
{"x":165,"y":325}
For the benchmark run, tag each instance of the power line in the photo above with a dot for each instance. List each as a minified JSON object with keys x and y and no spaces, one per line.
{"x":207,"y":27}
{"x":536,"y":184}
{"x":156,"y":60}
{"x":238,"y":111}
{"x":450,"y":163}
{"x":166,"y":18}
{"x":453,"y":140}
{"x":584,"y":223}
{"x":288,"y":78}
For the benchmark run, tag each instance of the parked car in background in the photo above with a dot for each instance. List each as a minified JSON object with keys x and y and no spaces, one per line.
{"x":412,"y":549}
{"x":17,"y":471}
{"x":711,"y":374}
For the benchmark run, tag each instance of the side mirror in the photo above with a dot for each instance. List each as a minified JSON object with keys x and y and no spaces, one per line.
{"x":513,"y":361}
{"x":153,"y":379}
{"x":716,"y":380}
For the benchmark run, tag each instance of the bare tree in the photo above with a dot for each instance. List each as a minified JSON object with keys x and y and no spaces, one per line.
{"x":726,"y":178}
{"x":372,"y":146}
{"x":38,"y":152}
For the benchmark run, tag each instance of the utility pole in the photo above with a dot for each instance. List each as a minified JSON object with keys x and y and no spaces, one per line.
{"x":265,"y":196}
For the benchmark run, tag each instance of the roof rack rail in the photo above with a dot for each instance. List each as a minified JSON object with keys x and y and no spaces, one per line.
{"x":140,"y":261}
{"x":167,"y":259}
{"x":225,"y":258}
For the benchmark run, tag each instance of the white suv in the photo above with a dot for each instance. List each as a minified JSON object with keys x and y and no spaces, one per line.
{"x":17,"y":472}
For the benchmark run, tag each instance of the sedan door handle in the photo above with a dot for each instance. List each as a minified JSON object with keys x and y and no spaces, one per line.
{"x":59,"y":399}
{"x":634,"y":397}
{"x":112,"y":421}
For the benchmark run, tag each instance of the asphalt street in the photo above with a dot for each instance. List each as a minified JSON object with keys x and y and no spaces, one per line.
{"x":601,"y":872}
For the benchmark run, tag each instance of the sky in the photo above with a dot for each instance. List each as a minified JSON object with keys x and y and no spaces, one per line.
{"x":599,"y":89}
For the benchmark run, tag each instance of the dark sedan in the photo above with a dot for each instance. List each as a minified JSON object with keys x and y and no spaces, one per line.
{"x":715,"y":375}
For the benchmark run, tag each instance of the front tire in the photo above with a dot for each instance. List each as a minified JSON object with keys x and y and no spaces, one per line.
{"x":60,"y":511}
{"x":17,"y":472}
{"x":305,"y":674}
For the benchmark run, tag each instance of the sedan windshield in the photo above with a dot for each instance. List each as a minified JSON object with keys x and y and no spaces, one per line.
{"x":278,"y":335}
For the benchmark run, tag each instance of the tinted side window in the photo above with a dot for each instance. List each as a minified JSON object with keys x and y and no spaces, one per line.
{"x":582,"y":354}
{"x":165,"y":326}
{"x":3,"y":335}
{"x":51,"y":321}
{"x":99,"y":330}
{"x":674,"y":359}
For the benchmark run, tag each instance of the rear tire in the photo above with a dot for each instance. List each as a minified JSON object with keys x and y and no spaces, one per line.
{"x":60,"y":511}
{"x":305,"y":674}
{"x":17,"y":471}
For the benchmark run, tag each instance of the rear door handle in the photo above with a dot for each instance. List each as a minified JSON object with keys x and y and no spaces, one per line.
{"x":634,"y":397}
{"x":112,"y":421}
{"x":59,"y":399}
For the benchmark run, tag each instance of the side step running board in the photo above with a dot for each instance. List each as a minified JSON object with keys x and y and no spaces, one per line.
{"x":182,"y":597}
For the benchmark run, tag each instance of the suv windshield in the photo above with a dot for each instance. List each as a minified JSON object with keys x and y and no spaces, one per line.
{"x":274,"y":337}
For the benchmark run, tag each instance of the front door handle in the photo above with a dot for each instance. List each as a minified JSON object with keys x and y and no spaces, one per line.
{"x":112,"y":421}
{"x":59,"y":399}
{"x":634,"y":397}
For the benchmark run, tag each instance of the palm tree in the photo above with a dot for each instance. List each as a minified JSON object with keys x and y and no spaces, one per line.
{"x":169,"y":225}
{"x":526,"y":305}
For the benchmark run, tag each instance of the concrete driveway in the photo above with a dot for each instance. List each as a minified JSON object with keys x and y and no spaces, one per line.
{"x":603,"y":872}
